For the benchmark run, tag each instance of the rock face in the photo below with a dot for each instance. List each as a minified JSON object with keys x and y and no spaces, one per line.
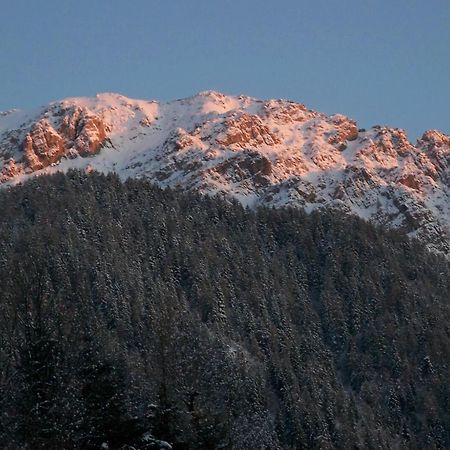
{"x":247,"y":131}
{"x":274,"y":152}
{"x":59,"y":132}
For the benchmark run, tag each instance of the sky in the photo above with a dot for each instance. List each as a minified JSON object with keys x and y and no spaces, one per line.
{"x":377,"y":61}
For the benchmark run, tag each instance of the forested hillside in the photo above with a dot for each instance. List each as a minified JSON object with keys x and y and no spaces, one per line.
{"x":137,"y":318}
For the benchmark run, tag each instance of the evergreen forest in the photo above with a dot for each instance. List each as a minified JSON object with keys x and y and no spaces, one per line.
{"x":133,"y":317}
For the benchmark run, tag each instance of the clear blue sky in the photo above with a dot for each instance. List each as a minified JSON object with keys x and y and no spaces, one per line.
{"x":378,"y":61}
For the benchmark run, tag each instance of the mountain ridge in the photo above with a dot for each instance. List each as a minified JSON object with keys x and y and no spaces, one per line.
{"x":261,"y":152}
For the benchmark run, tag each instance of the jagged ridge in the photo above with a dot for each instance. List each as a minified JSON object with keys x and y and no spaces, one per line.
{"x":274,"y":152}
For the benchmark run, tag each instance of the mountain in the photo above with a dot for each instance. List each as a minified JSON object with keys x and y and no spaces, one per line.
{"x":134,"y":317}
{"x":274,"y":152}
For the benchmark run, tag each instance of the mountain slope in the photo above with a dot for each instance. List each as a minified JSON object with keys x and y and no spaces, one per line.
{"x":128,"y":310}
{"x":274,"y":152}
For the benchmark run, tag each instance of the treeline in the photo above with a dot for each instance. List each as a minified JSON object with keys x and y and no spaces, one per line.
{"x":134,"y":317}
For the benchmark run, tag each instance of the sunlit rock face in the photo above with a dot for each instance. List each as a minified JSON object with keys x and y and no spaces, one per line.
{"x":247,"y":131}
{"x":60,"y":131}
{"x":271,"y":152}
{"x":79,"y":133}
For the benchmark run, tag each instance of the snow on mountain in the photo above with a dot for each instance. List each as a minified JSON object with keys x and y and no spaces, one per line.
{"x":274,"y":152}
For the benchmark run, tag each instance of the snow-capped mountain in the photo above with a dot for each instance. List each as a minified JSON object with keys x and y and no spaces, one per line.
{"x":274,"y":152}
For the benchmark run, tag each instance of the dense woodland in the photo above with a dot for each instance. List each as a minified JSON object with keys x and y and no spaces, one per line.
{"x":133,"y":317}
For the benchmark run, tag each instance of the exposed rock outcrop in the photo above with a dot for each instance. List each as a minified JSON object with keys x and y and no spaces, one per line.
{"x":79,"y":133}
{"x":247,"y":131}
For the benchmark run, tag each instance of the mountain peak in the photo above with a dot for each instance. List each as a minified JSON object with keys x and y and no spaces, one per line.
{"x":436,"y":137}
{"x":273,"y":152}
{"x":210,"y":93}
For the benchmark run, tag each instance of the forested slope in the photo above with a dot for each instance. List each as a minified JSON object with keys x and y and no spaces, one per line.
{"x":129,"y":311}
